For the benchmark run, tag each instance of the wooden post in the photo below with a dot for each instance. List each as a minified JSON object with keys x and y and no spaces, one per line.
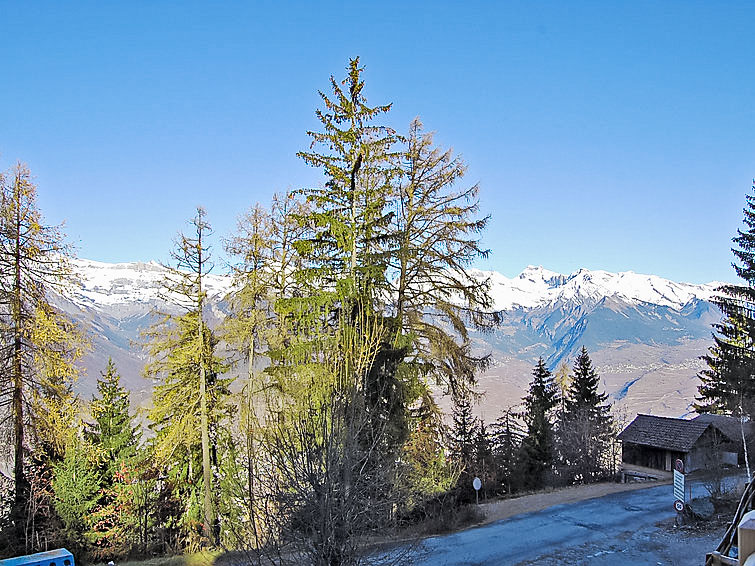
{"x":715,"y":558}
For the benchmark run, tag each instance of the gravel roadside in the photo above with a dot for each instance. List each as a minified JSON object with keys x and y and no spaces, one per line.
{"x":505,"y":508}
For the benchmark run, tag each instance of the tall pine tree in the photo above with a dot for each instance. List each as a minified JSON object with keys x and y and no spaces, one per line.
{"x":507,"y":435}
{"x":464,"y":435}
{"x":727,"y":386}
{"x":585,"y":427}
{"x":538,"y":450}
{"x":114,"y":434}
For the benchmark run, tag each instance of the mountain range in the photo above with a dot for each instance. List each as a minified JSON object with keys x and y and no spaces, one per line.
{"x":645,"y":334}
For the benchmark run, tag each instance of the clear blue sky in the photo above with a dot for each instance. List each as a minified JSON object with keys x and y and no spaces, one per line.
{"x":606,"y":135}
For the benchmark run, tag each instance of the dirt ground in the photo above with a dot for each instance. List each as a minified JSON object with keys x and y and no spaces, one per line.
{"x":505,"y":508}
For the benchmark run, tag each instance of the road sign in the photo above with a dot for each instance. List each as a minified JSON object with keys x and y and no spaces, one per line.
{"x":477,"y":484}
{"x":679,"y":506}
{"x":678,"y":485}
{"x":679,"y":465}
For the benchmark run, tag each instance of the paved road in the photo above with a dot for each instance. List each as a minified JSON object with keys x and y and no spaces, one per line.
{"x":616,"y":530}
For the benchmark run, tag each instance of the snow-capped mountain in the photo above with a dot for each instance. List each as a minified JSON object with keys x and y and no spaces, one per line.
{"x":538,"y":287}
{"x":107,"y":285}
{"x":644,"y":333}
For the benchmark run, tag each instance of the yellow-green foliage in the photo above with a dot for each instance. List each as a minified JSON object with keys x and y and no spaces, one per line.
{"x":176,"y":351}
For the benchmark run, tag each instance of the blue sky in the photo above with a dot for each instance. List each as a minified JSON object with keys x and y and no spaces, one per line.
{"x":606,"y":135}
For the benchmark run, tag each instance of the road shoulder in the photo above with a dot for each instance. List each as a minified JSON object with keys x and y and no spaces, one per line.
{"x":506,"y":508}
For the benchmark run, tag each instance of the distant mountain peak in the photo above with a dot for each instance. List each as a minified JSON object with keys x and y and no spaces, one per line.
{"x":111,"y":283}
{"x":645,"y":333}
{"x":536,"y":286}
{"x":108,"y":284}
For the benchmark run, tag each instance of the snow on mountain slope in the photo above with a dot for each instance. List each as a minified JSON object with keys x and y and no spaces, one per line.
{"x":645,"y":333}
{"x":105,"y":284}
{"x":536,"y":287}
{"x":108,"y":284}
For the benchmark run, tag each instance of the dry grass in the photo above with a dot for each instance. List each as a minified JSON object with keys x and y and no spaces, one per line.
{"x":196,"y":559}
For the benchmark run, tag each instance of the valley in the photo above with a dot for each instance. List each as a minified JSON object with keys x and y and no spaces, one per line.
{"x":644,"y":333}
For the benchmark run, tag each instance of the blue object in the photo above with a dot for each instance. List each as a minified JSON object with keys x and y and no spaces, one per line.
{"x":57,"y":557}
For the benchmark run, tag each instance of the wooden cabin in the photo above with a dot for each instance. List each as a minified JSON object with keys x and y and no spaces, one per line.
{"x":657,"y":442}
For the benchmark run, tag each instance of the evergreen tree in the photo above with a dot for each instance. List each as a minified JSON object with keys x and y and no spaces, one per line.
{"x":585,"y":429}
{"x":507,"y":441}
{"x":429,"y":471}
{"x":330,"y":357}
{"x":114,"y":440}
{"x":348,"y":215}
{"x":538,"y":453}
{"x":113,"y":434}
{"x":342,"y":279}
{"x":76,"y":484}
{"x":727,"y":386}
{"x":38,"y":346}
{"x":463,"y":441}
{"x":373,"y":316}
{"x":485,"y":466}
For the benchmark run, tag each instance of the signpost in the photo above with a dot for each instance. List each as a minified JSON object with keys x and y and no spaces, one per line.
{"x":477,"y":484}
{"x":679,"y":486}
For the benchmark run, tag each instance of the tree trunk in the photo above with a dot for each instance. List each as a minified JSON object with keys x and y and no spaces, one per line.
{"x":204,"y":424}
{"x":19,"y":478}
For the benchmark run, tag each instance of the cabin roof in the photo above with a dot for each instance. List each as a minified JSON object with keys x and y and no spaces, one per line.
{"x":729,"y":426}
{"x":678,"y":435}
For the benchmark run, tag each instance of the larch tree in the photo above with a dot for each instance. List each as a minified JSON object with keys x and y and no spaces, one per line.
{"x":265,"y":261}
{"x":190,"y":396}
{"x":562,"y":378}
{"x":248,"y":330}
{"x":436,"y":237}
{"x":39,"y":345}
{"x":252,"y":299}
{"x":435,"y":295}
{"x":263,"y":274}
